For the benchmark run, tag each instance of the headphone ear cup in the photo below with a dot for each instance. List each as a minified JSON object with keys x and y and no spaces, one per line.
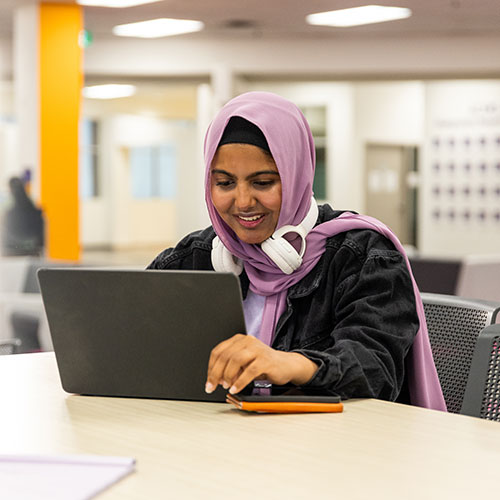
{"x":216,"y":254}
{"x":282,"y":253}
{"x":223,"y":260}
{"x":228,"y":261}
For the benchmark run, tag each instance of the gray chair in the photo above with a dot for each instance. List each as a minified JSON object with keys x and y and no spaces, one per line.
{"x":436,"y":275}
{"x":10,"y":346}
{"x":25,"y":326}
{"x":465,"y":344}
{"x":482,"y":394}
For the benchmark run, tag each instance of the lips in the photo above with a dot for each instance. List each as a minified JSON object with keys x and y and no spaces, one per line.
{"x":250,"y":221}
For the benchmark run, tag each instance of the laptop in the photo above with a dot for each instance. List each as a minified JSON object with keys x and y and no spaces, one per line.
{"x":141,"y":334}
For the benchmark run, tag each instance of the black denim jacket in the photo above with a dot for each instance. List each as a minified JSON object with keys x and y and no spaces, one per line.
{"x":354,"y":314}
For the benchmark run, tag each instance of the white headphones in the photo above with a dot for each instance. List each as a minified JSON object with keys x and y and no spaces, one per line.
{"x":277,"y":248}
{"x":223,"y":260}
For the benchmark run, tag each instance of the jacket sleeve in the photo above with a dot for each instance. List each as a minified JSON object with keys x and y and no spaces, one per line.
{"x":375,"y":322}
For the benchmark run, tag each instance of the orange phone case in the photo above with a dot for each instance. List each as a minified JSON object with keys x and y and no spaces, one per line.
{"x":285,"y":407}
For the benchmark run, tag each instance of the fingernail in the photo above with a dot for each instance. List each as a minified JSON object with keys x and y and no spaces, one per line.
{"x":209,"y":388}
{"x":225,"y":385}
{"x":232,"y":390}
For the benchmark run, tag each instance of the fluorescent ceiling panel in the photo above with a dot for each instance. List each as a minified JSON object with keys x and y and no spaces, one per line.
{"x":356,"y":16}
{"x":114,"y":3}
{"x":156,"y":28}
{"x":109,"y":91}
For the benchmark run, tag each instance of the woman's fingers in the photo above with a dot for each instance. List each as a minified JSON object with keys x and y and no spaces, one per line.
{"x":241,"y":359}
{"x":236,"y":364}
{"x":274,"y":366}
{"x":251,"y":372}
{"x":219,"y":358}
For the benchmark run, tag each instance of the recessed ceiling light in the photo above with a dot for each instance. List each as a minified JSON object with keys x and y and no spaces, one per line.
{"x":114,"y":3}
{"x":156,"y":28}
{"x":109,"y":91}
{"x":358,"y":15}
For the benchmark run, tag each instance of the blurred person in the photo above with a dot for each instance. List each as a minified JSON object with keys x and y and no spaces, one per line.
{"x":329,"y":299}
{"x":22,"y":224}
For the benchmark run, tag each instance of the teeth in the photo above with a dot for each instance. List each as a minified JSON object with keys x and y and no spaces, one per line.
{"x":250,"y":219}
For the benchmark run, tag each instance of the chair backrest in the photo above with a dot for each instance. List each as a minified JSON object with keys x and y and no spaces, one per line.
{"x":436,"y":275}
{"x":454,"y":325}
{"x":482,"y":394}
{"x":480,"y":277}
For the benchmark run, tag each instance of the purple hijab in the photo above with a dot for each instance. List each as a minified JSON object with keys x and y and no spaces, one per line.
{"x":292,"y":147}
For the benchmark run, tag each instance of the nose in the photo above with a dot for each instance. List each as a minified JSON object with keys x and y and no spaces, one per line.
{"x":244,"y":200}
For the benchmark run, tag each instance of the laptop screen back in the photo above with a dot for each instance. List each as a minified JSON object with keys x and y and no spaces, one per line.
{"x":139,"y":333}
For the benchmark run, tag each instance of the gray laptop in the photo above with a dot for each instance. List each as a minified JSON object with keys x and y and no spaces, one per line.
{"x":145,"y":334}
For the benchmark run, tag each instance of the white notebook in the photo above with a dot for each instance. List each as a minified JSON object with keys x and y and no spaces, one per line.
{"x":60,"y":477}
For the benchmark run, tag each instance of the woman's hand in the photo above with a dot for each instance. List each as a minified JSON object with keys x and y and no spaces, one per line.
{"x":241,"y":359}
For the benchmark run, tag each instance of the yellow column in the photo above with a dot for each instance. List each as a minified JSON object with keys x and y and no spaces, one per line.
{"x":61,"y":81}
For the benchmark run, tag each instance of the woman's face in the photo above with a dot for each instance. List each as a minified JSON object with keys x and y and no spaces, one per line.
{"x":246,"y":191}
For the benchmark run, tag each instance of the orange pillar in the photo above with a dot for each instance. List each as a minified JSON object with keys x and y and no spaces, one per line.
{"x":61,"y":81}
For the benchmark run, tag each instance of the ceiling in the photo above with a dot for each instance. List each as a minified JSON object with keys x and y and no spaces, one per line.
{"x":285,"y":18}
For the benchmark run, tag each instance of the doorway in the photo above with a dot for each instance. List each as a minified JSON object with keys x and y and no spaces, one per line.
{"x":391,"y":184}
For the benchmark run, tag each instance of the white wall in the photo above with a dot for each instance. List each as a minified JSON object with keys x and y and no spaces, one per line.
{"x":26,"y":90}
{"x":390,"y":111}
{"x":9,"y":152}
{"x":457,"y":56}
{"x":190,"y":204}
{"x":5,"y":58}
{"x":457,"y":112}
{"x":6,"y":99}
{"x":195,"y":55}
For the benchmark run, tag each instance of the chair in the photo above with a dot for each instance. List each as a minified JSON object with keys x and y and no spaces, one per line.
{"x":482,"y":395}
{"x":466,"y":348}
{"x":437,"y":275}
{"x":9,"y":346}
{"x":479,"y":277}
{"x":25,"y":327}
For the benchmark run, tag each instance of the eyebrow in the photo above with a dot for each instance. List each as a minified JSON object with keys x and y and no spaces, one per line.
{"x":251,"y":176}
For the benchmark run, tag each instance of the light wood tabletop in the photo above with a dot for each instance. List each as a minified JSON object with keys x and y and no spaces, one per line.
{"x":373,"y":450}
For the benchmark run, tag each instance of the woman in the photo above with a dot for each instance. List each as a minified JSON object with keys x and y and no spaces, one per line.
{"x":328,"y":298}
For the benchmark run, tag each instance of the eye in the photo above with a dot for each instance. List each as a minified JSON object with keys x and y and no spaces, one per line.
{"x":264,"y":183}
{"x":223,"y":183}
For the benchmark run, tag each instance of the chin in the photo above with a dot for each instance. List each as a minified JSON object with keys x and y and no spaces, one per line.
{"x":252,"y":239}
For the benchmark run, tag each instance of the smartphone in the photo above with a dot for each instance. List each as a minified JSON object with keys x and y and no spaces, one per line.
{"x":286,"y":403}
{"x":286,"y":398}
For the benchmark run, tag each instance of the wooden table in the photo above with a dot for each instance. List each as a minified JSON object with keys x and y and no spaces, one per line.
{"x":374,"y":450}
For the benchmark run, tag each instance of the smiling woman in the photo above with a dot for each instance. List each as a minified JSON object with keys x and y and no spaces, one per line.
{"x":329,"y":299}
{"x":246,"y":191}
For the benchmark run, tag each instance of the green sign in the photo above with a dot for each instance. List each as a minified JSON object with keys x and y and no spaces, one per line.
{"x":86,"y":38}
